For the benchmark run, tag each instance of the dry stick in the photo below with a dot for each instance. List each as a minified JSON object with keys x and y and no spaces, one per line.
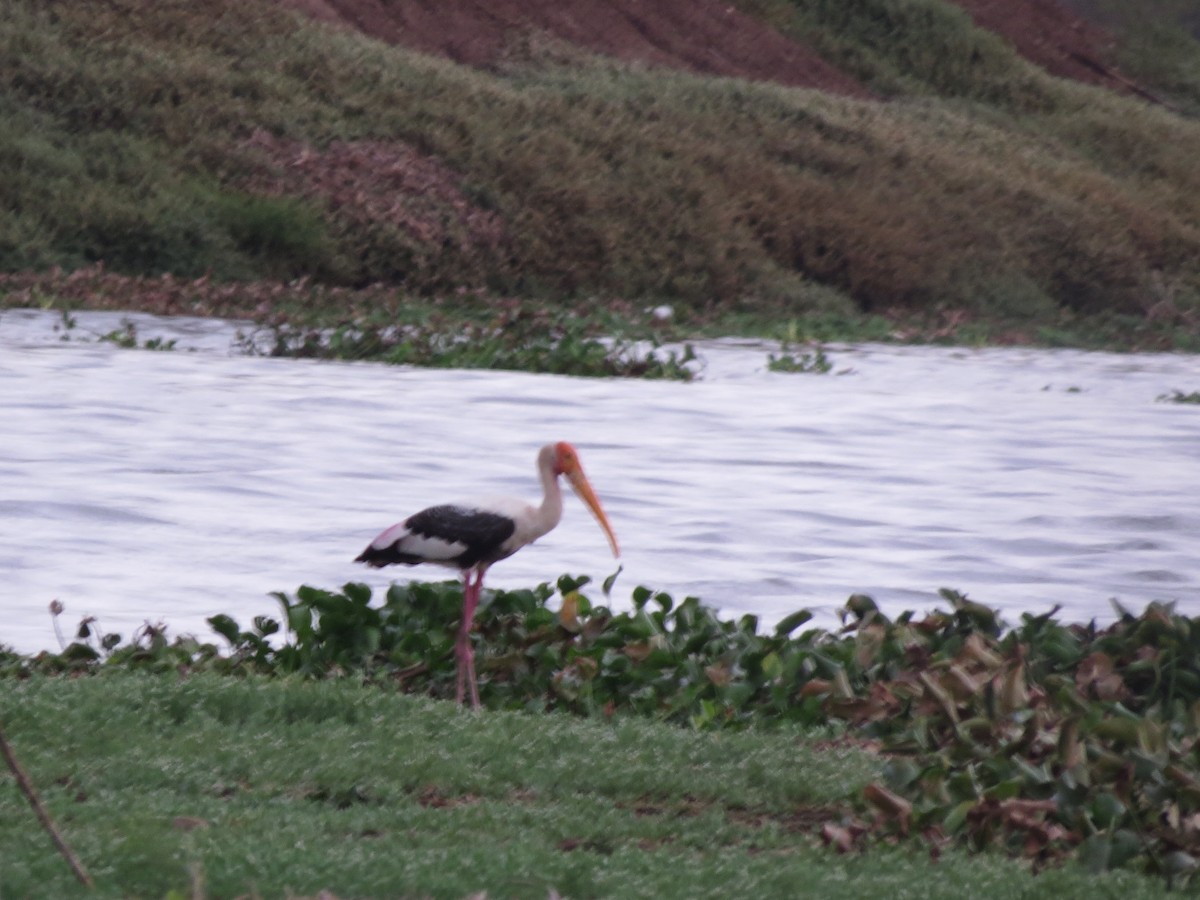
{"x":43,"y":816}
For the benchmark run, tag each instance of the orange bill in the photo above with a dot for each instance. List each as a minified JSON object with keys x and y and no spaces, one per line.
{"x":583,"y":489}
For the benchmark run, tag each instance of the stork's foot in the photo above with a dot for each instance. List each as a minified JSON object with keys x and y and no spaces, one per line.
{"x":471,"y":678}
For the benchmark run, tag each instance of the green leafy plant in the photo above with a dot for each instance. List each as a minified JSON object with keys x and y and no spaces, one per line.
{"x":1043,"y":740}
{"x":807,"y":362}
{"x":792,"y":359}
{"x":542,"y":340}
{"x":127,"y":337}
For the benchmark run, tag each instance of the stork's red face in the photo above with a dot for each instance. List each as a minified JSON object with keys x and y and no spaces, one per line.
{"x":566,"y":462}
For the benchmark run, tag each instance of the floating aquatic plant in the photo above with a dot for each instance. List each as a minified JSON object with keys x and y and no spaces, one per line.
{"x":805,"y":361}
{"x":1177,"y":396}
{"x":543,"y":341}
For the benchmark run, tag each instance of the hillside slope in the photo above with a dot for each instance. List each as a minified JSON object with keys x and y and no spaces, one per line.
{"x":884,"y":155}
{"x":704,"y":36}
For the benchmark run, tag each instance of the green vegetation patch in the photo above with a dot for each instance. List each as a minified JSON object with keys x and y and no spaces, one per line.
{"x":1158,"y":45}
{"x":1178,"y":396}
{"x":1057,"y":743}
{"x":220,"y":787}
{"x":511,"y":336}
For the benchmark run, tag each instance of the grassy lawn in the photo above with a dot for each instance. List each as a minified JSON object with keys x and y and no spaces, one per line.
{"x":220,"y":786}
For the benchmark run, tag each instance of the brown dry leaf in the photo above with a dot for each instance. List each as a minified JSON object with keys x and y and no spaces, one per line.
{"x":638,"y":650}
{"x":1070,"y":751}
{"x":1096,"y":677}
{"x":932,"y":623}
{"x":432,"y":798}
{"x":1172,"y":816}
{"x":1183,"y":778}
{"x":837,"y":836}
{"x":1190,"y":825}
{"x":937,"y":839}
{"x":939,"y":696}
{"x":1019,"y":806}
{"x":841,"y":685}
{"x":719,"y":675}
{"x":815,"y":687}
{"x":961,"y":685}
{"x":870,"y":639}
{"x":880,"y":703}
{"x":890,"y":804}
{"x":586,"y":667}
{"x":975,"y":649}
{"x":1012,"y":695}
{"x":568,"y":614}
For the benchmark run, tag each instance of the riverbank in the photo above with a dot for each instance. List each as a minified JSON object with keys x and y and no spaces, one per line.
{"x":387,"y":324}
{"x":903,"y":742}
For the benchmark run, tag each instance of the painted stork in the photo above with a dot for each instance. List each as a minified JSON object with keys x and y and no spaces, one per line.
{"x":472,"y":536}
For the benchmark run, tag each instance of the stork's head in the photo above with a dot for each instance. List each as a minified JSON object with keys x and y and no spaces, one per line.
{"x":566,"y":462}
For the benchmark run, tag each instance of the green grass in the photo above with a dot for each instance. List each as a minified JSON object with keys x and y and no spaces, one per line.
{"x":307,"y":786}
{"x":164,"y":137}
{"x":1067,"y":745}
{"x":1159,"y":45}
{"x":907,"y":47}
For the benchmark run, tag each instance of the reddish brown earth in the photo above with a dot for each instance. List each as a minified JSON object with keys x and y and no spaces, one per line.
{"x":1051,"y":36}
{"x":707,"y":36}
{"x":388,"y":184}
{"x":704,"y":36}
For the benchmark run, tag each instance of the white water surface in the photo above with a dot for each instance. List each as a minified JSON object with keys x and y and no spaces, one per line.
{"x":170,"y":486}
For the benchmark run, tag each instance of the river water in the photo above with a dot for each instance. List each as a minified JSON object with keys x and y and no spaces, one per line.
{"x":169,"y":486}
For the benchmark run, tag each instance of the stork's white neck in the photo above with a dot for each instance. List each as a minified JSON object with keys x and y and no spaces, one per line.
{"x":549,"y":514}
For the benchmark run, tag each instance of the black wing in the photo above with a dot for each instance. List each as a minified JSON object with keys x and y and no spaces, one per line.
{"x":483,"y":532}
{"x":451,"y":535}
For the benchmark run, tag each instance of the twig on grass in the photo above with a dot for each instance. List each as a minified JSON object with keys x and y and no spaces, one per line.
{"x":43,"y":816}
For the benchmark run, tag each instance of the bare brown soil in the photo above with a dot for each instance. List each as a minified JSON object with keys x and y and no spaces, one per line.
{"x":378,"y":181}
{"x":706,"y":36}
{"x":415,"y":202}
{"x":1050,"y":35}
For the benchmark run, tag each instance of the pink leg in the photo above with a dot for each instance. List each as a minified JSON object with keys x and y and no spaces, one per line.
{"x":462,"y":644}
{"x":463,"y":650}
{"x":475,"y":592}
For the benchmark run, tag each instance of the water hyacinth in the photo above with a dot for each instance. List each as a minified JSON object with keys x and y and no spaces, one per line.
{"x":556,"y":342}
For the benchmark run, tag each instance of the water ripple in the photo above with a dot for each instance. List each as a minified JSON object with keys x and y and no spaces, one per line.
{"x":173,"y":486}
